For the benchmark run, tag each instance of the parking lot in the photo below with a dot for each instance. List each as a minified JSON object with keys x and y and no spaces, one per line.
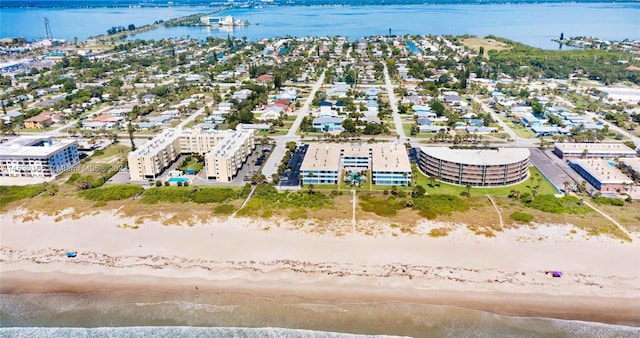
{"x":290,"y":178}
{"x":553,"y":168}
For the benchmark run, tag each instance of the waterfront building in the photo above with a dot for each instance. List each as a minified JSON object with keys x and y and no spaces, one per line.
{"x":475,"y":167}
{"x":324,"y":163}
{"x":37,"y":157}
{"x":632,"y":167}
{"x":228,"y":155}
{"x":151,"y":159}
{"x":592,"y":150}
{"x":602,"y":175}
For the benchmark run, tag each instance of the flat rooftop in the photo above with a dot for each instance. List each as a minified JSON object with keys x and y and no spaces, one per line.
{"x":322,"y":157}
{"x":158,"y":143}
{"x":633,"y":162}
{"x":390,"y":157}
{"x":603,"y":171}
{"x":33,"y":147}
{"x":230,"y":144}
{"x":383,"y":156}
{"x":595,"y":148}
{"x":499,"y":156}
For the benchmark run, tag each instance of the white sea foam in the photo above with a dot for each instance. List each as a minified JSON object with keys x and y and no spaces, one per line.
{"x":187,"y":306}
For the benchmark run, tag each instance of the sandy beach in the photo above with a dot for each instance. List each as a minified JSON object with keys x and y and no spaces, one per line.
{"x":506,"y":275}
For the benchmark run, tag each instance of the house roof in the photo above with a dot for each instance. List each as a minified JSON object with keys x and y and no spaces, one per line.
{"x":39,"y":118}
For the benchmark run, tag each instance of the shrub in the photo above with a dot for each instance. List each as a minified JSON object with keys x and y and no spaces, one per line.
{"x":563,"y":205}
{"x":178,"y":195}
{"x":521,"y":217}
{"x":12,"y":193}
{"x":158,"y":184}
{"x":267,"y":197}
{"x":223,"y":209}
{"x":213,"y":195}
{"x":112,"y":193}
{"x":380,"y":206}
{"x":439,"y":232}
{"x":73,"y":178}
{"x":432,"y":206}
{"x":166,"y":194}
{"x":609,"y":201}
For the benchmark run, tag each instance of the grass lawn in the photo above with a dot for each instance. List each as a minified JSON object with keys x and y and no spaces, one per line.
{"x":193,"y":164}
{"x":115,"y":149}
{"x":451,"y":189}
{"x":520,"y":130}
{"x":488,"y":44}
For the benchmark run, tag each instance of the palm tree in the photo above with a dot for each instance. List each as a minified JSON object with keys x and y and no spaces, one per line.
{"x":566,"y":185}
{"x":468,"y":186}
{"x":311,"y":189}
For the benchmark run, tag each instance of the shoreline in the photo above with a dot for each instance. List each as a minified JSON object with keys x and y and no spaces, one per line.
{"x":605,"y":310}
{"x":505,"y":275}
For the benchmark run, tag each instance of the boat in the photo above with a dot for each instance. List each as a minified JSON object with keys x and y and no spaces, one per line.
{"x":71,"y":254}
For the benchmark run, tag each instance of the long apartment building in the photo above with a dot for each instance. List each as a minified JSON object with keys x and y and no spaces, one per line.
{"x":389,"y":163}
{"x":37,"y":157}
{"x":602,"y":175}
{"x":228,"y":149}
{"x":592,"y":150}
{"x":476,"y":167}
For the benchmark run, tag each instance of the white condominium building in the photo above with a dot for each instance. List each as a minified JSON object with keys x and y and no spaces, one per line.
{"x":150,"y":160}
{"x":389,"y":163}
{"x":227,"y":157}
{"x":37,"y":157}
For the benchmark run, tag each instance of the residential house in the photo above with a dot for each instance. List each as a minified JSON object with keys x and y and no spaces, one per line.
{"x":328,"y":124}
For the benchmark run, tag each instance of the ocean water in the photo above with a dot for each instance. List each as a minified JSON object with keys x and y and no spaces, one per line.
{"x":187,"y":314}
{"x":533,"y":24}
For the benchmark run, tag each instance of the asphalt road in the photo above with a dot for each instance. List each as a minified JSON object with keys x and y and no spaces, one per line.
{"x":397,"y":120}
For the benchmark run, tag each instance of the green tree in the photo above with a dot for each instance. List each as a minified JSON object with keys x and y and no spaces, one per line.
{"x":349,"y":126}
{"x":437,"y":107}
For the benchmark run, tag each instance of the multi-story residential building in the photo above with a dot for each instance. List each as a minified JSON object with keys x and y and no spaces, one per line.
{"x":592,"y":150}
{"x":602,"y":175}
{"x":475,"y":167}
{"x":37,"y":157}
{"x":228,"y":156}
{"x":150,"y":160}
{"x":389,"y":163}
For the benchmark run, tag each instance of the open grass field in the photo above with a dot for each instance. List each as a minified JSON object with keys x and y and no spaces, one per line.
{"x":488,"y":44}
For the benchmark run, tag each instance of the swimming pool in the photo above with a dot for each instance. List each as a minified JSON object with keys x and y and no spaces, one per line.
{"x":178,"y":179}
{"x":611,"y":163}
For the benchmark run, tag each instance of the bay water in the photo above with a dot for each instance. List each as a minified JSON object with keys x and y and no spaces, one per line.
{"x":532,"y":24}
